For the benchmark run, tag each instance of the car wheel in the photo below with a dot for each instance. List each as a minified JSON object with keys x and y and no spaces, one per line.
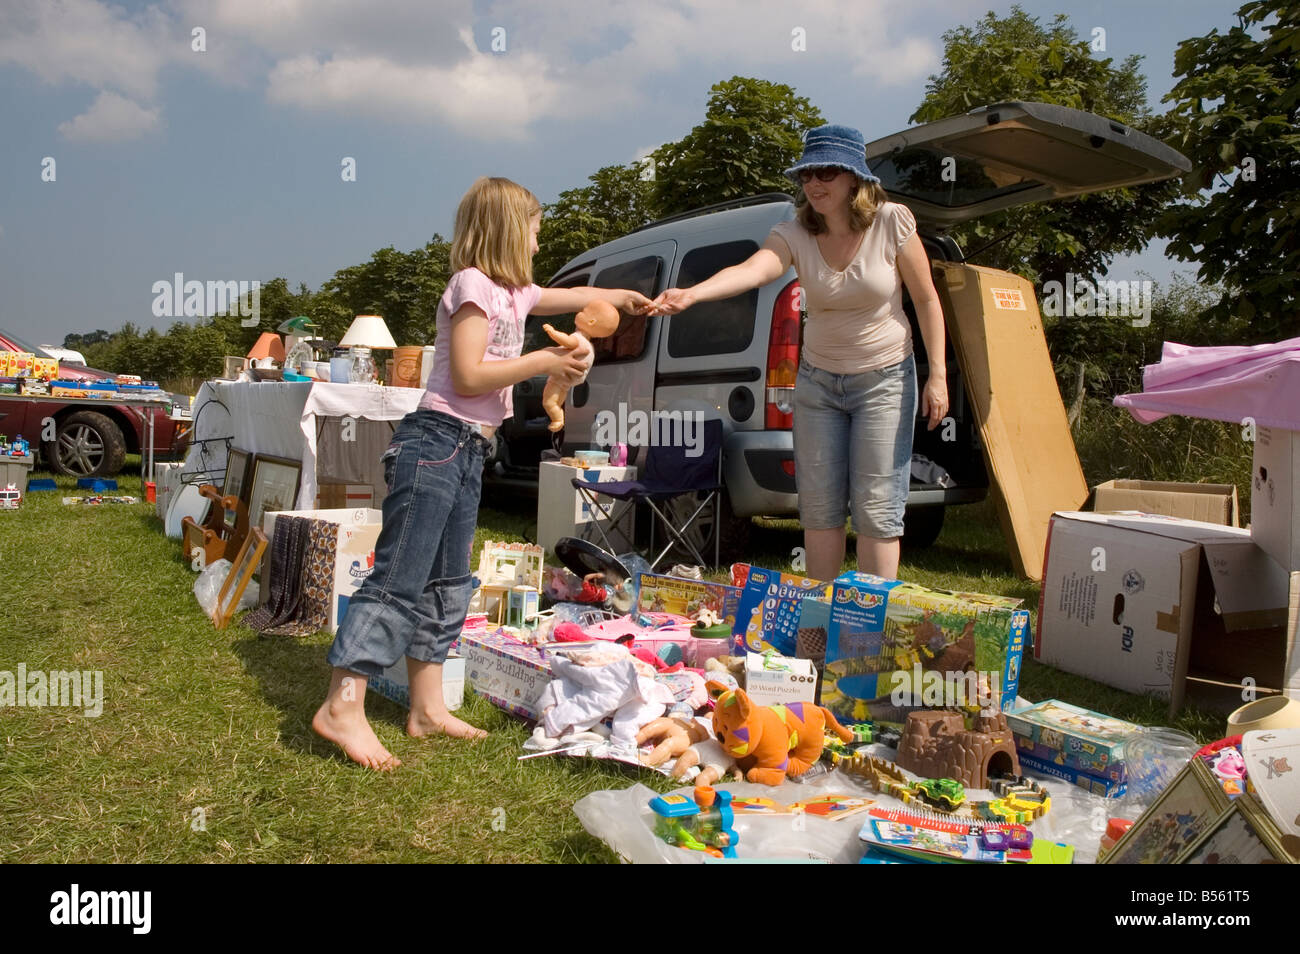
{"x":735,"y":530}
{"x":86,"y":444}
{"x":921,"y":527}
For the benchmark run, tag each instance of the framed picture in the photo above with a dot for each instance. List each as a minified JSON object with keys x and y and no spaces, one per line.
{"x":1183,"y":813}
{"x":273,"y":486}
{"x":236,"y":484}
{"x":1243,"y":835}
{"x":241,"y":571}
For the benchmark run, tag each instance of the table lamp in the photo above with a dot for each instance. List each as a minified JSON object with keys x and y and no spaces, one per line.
{"x":268,"y":345}
{"x":368,"y":332}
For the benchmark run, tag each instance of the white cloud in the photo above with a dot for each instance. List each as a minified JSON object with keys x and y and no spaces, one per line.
{"x":111,"y":118}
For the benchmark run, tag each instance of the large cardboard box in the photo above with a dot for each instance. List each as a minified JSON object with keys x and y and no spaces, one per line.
{"x":1209,"y":503}
{"x":767,"y":617}
{"x":1275,"y":495}
{"x":358,"y":530}
{"x":562,"y":511}
{"x":673,"y":594}
{"x":1149,"y":603}
{"x":886,"y":635}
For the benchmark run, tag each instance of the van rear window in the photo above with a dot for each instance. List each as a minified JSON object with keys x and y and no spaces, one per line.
{"x":713,"y":327}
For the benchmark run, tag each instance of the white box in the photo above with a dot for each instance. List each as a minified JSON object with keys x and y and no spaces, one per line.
{"x":562,"y":511}
{"x":1274,"y":489}
{"x":767,"y":687}
{"x":1148,"y":603}
{"x":358,"y":530}
{"x":393,"y":683}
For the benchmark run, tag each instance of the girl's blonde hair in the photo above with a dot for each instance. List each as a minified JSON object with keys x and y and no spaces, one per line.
{"x":863,"y":206}
{"x":493,"y":231}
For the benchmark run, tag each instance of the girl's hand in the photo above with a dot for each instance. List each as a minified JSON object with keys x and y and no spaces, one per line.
{"x":674,"y":300}
{"x":631,"y":302}
{"x":567,"y":366}
{"x":934,"y":400}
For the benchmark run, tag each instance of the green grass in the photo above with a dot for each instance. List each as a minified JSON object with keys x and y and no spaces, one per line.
{"x":199,"y":719}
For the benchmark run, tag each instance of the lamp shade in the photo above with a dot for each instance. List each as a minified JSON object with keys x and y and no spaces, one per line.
{"x":268,"y":346}
{"x":369,"y":331}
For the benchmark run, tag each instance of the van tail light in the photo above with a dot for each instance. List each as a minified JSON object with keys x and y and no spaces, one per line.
{"x":782,"y":359}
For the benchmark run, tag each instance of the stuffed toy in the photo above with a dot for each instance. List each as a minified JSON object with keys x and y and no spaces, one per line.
{"x":598,"y":320}
{"x":770,"y":742}
{"x":687,"y":741}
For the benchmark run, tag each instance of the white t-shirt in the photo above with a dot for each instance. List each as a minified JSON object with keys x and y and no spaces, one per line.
{"x":856,"y":320}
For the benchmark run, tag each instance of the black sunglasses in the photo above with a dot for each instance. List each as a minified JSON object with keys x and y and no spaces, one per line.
{"x":825,"y":174}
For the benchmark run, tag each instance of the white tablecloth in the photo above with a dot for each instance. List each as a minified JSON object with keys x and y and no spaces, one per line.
{"x":298,"y":420}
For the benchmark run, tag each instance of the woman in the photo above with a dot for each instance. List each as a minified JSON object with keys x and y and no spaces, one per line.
{"x":855,"y":396}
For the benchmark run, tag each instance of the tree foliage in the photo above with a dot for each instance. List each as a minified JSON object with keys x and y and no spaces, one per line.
{"x":752,"y":131}
{"x":1017,"y":58}
{"x":616,"y":200}
{"x":1235,"y":115}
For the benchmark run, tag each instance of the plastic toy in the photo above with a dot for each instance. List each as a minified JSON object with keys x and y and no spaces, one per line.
{"x":598,"y":320}
{"x":700,"y":824}
{"x":945,"y":794}
{"x":20,"y":447}
{"x":937,"y":744}
{"x":11,"y":497}
{"x":770,"y":742}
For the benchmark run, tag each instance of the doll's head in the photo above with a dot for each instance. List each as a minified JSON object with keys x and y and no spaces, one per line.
{"x":598,"y":320}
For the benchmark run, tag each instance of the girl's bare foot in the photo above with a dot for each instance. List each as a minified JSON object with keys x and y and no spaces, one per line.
{"x":342,"y":719}
{"x":429,"y":723}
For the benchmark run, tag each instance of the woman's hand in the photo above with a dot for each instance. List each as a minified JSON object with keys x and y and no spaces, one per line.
{"x":631,"y":302}
{"x":673,"y":300}
{"x":567,"y":366}
{"x":934,"y":400}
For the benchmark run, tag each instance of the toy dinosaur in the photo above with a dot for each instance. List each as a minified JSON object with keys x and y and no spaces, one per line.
{"x":598,"y":320}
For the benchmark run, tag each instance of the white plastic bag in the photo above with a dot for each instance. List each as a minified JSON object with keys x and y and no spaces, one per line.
{"x":208,"y":585}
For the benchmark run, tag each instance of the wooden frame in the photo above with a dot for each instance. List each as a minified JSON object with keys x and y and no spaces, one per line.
{"x":236,"y":482}
{"x":1243,"y":835}
{"x":242,"y":570}
{"x":271,"y":487}
{"x":1183,"y":813}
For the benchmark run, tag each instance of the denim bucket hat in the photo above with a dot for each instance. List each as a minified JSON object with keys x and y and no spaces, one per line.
{"x":839,"y":146}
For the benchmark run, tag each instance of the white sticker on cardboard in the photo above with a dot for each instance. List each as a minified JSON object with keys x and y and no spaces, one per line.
{"x":1008,"y":299}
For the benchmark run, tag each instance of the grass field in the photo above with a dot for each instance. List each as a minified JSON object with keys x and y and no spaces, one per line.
{"x":203,"y":752}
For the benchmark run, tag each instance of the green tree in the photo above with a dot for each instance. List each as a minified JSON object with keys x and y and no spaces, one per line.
{"x":1017,"y":58}
{"x":616,"y":200}
{"x":752,"y":131}
{"x":1235,"y":115}
{"x":402,"y":287}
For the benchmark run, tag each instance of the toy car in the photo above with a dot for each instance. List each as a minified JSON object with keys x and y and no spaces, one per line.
{"x":945,"y":794}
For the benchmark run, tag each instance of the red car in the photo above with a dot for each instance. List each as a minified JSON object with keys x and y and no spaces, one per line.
{"x":91,"y":437}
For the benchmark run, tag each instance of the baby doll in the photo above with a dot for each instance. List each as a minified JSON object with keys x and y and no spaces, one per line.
{"x":598,"y":320}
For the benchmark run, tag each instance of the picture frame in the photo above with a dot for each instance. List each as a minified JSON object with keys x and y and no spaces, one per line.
{"x":236,"y":482}
{"x":1183,"y":813}
{"x":273,"y":486}
{"x":241,"y":571}
{"x":1242,"y":835}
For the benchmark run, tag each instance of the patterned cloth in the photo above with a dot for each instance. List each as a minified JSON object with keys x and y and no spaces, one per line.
{"x":301,"y":578}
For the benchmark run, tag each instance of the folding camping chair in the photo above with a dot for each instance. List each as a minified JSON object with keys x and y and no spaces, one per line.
{"x":670,"y":472}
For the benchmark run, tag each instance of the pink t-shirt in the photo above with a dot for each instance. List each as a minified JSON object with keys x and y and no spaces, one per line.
{"x":506,"y":309}
{"x":856,"y":320}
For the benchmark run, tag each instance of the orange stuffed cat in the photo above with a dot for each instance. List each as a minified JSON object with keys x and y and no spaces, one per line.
{"x":770,"y":742}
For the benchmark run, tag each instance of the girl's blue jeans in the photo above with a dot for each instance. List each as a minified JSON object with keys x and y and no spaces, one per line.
{"x":415,"y":600}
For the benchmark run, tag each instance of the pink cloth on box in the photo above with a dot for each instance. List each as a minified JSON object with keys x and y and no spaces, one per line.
{"x":1226,"y":383}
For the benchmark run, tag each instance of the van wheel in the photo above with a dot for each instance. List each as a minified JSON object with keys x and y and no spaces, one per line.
{"x":735,"y":530}
{"x":921,"y":527}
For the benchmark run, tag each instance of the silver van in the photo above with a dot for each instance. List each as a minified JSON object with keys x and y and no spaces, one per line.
{"x":737,"y":359}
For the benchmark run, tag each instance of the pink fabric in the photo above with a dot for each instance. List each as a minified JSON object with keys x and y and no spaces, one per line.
{"x":506,"y":309}
{"x":1225,"y":383}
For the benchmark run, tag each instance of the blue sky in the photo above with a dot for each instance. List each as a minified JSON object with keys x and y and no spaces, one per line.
{"x":225,"y":164}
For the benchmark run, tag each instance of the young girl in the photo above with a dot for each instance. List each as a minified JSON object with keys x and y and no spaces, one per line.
{"x":415,"y":600}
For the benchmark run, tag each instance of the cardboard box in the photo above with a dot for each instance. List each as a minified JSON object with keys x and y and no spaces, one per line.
{"x":358,"y":530}
{"x":1275,"y":495}
{"x":1072,"y":736}
{"x":507,"y":673}
{"x":882,"y":627}
{"x":768,"y":687}
{"x":393,"y":683}
{"x":344,"y":496}
{"x":1123,"y":596}
{"x":767,"y":617}
{"x":1096,"y":784}
{"x":563,"y":512}
{"x":672,"y":594}
{"x":1209,"y":503}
